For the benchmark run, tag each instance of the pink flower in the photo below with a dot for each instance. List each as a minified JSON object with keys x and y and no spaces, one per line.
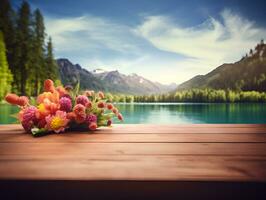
{"x":82,"y":99}
{"x":91,"y":118}
{"x":57,"y":122}
{"x":65,"y":104}
{"x":29,"y":113}
{"x":27,"y":125}
{"x":28,"y":117}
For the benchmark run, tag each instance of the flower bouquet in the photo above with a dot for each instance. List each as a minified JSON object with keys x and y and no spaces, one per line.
{"x":61,"y":108}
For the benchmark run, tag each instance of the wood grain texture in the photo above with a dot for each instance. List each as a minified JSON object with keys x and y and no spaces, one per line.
{"x":150,"y":167}
{"x":198,"y":152}
{"x":135,"y":138}
{"x":158,"y":129}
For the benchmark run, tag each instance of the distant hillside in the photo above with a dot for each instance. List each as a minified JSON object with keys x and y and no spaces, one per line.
{"x":110,"y":81}
{"x":249,"y":73}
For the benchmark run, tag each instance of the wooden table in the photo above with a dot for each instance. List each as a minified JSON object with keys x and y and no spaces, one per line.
{"x":132,"y":161}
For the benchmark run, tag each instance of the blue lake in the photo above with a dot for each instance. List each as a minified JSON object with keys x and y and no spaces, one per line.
{"x":177,"y":113}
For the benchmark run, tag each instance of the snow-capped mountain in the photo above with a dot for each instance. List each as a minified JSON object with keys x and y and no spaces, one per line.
{"x":111,"y":81}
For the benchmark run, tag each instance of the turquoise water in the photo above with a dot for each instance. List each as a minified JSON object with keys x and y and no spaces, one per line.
{"x":178,"y":113}
{"x":187,"y":113}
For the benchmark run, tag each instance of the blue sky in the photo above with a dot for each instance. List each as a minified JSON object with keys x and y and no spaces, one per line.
{"x":163,"y":40}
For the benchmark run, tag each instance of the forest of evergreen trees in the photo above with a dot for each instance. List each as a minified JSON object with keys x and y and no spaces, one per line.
{"x":26,"y":52}
{"x":195,"y":95}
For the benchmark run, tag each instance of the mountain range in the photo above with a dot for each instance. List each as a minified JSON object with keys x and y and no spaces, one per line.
{"x":109,"y":81}
{"x":249,"y":73}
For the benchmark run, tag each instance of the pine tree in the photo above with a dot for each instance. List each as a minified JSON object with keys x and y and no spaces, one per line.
{"x":7,"y":26}
{"x":24,"y":46}
{"x":6,"y":77}
{"x":38,"y":70}
{"x":52,"y":68}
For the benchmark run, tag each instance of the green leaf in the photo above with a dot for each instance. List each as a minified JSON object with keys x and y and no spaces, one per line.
{"x":37,"y":132}
{"x":76,"y":89}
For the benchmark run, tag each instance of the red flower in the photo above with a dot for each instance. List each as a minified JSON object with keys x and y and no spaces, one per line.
{"x":110,"y":106}
{"x":80,"y":114}
{"x":101,"y":104}
{"x":79,"y":109}
{"x":115,"y":111}
{"x":120,"y":117}
{"x":93,"y":126}
{"x":89,"y":105}
{"x":109,"y":122}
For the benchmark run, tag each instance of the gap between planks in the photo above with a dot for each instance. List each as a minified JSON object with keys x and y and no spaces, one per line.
{"x":135,"y":138}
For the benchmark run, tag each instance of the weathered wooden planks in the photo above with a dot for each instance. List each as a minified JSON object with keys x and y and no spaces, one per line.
{"x":117,"y":167}
{"x":197,"y":154}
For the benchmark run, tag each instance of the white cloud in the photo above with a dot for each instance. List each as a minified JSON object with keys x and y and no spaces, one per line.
{"x":88,"y":32}
{"x":210,"y":44}
{"x":158,"y":48}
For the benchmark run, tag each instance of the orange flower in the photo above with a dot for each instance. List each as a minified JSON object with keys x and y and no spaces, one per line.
{"x":12,"y":98}
{"x":53,"y":107}
{"x":61,"y":90}
{"x":89,"y":93}
{"x":49,"y":86}
{"x":23,"y":101}
{"x":42,"y":111}
{"x":101,"y":94}
{"x":71,"y":116}
{"x":52,"y":97}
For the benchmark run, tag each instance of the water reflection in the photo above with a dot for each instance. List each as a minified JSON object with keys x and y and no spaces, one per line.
{"x":177,"y":113}
{"x":193,"y":113}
